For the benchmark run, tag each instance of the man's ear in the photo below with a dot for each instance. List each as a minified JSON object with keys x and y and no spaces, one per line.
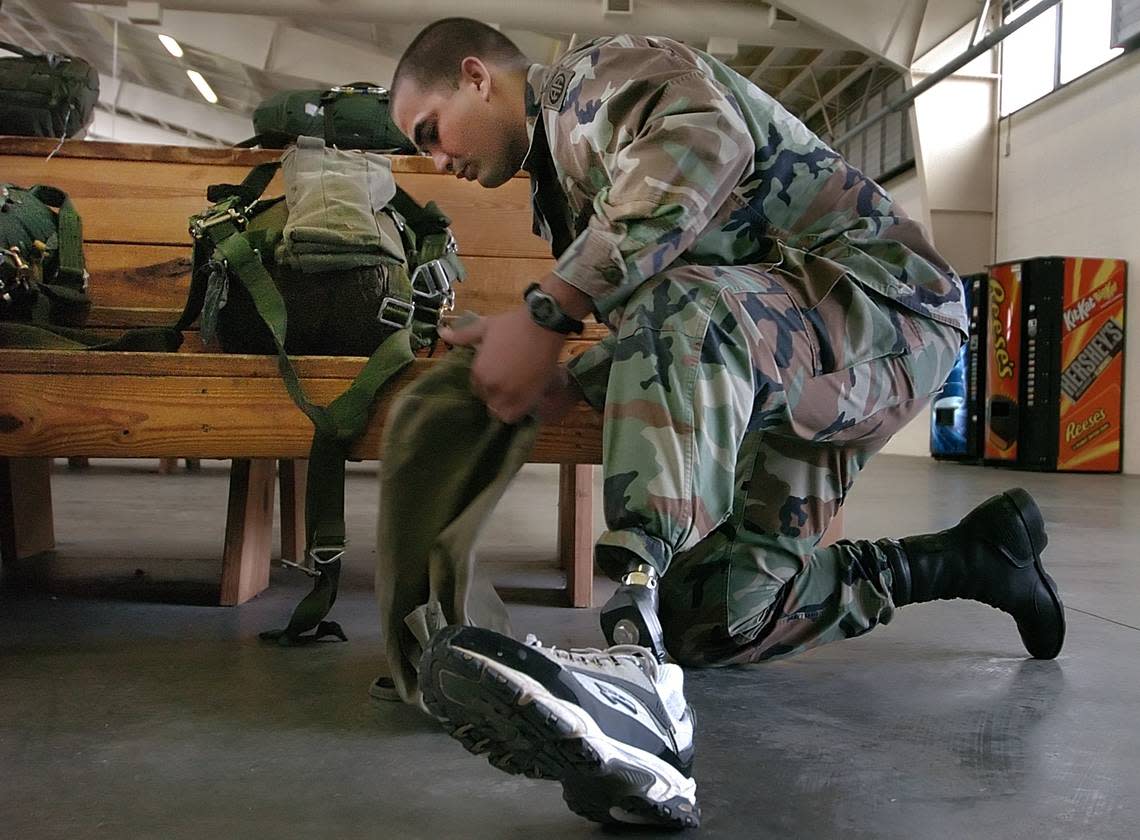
{"x":474,"y":72}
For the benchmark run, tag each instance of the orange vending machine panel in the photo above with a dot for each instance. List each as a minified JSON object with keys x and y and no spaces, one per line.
{"x":1073,"y":383}
{"x":1003,"y":365}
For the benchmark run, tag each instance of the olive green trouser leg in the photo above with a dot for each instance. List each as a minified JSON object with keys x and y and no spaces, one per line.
{"x":736,"y":422}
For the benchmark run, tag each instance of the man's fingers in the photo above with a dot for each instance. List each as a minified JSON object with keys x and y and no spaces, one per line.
{"x":464,"y":335}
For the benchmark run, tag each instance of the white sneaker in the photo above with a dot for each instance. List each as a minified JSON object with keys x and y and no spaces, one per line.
{"x":611,"y":725}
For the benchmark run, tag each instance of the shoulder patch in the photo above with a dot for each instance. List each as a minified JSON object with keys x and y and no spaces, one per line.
{"x":556,"y":88}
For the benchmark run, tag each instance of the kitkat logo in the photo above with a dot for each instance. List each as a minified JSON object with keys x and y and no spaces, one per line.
{"x":1079,"y":312}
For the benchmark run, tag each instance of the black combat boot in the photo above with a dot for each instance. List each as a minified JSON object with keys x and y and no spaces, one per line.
{"x":994,"y":556}
{"x":630,"y":616}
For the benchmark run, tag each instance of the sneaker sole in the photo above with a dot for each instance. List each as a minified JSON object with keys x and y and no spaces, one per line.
{"x":522,"y":729}
{"x":1034,"y":524}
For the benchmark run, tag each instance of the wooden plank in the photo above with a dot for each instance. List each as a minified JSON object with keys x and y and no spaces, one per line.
{"x":228,"y":365}
{"x":138,"y":276}
{"x":576,"y":531}
{"x":293,"y":477}
{"x":156,"y":278}
{"x":249,"y":531}
{"x":106,"y":150}
{"x":26,"y":524}
{"x":140,"y":202}
{"x":149,"y":202}
{"x":149,"y":414}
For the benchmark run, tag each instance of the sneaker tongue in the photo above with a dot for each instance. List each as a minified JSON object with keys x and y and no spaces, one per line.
{"x":644,"y":657}
{"x":671,"y":687}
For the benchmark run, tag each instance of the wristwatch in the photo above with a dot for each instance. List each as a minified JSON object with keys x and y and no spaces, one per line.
{"x":545,"y":311}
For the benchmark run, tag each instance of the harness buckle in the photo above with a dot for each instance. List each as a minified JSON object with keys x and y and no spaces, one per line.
{"x":314,"y":559}
{"x":200,"y":224}
{"x":433,"y":281}
{"x":401,"y":309}
{"x":15,"y":274}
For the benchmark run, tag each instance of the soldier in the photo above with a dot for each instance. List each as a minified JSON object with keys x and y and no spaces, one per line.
{"x":775,"y":317}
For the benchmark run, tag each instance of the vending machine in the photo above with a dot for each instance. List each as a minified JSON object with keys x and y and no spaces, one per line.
{"x":1054,"y":397}
{"x":1003,"y":365}
{"x":954,"y":417}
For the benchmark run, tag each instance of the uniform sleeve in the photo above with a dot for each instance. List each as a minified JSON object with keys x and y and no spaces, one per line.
{"x":678,"y":145}
{"x":591,"y":370}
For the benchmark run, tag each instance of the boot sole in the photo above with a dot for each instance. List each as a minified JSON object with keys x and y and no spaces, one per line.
{"x":1034,"y":524}
{"x":522,"y":729}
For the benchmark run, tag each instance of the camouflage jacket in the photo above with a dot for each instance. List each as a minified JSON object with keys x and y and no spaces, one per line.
{"x":646,"y":153}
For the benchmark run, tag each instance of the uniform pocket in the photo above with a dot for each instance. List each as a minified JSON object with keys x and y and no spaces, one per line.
{"x":848,"y":323}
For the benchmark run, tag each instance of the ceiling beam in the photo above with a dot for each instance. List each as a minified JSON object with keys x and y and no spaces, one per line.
{"x":844,"y":83}
{"x":127,"y":127}
{"x":677,"y":18}
{"x":861,"y":23}
{"x":273,"y":46}
{"x":225,"y":126}
{"x":803,"y":75}
{"x":766,"y":62}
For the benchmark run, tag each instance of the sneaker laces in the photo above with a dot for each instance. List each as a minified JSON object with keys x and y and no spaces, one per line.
{"x":615,"y":655}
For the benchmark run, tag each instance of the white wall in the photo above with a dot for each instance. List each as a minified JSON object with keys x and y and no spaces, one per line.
{"x":1069,"y":184}
{"x":907,"y":189}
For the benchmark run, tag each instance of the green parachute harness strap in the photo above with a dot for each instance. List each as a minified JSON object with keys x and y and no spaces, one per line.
{"x":60,"y":299}
{"x":219,"y":234}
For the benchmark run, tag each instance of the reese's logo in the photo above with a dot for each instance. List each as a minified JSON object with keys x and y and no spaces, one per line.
{"x":1001,"y":350}
{"x":1089,"y":424}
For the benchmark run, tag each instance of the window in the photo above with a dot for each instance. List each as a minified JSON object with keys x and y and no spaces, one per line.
{"x":1054,"y":48}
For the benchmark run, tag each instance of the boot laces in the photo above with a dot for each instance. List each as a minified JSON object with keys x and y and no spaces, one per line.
{"x":611,"y":657}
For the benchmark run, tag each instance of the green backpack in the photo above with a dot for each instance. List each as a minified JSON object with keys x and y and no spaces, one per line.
{"x":277,"y":277}
{"x":357,"y":116}
{"x":45,"y":95}
{"x":42,"y":276}
{"x":43,"y":279}
{"x":354,"y":116}
{"x":285,"y":116}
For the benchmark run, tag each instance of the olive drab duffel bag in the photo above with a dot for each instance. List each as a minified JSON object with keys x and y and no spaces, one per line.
{"x":45,"y":95}
{"x":352,"y":116}
{"x":344,"y":263}
{"x":283,"y":117}
{"x":358,"y":116}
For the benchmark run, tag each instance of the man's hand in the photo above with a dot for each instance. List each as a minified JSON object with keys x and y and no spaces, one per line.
{"x":562,"y":394}
{"x":515,"y":361}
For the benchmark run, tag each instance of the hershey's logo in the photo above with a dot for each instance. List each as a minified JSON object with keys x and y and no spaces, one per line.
{"x":1078,"y":376}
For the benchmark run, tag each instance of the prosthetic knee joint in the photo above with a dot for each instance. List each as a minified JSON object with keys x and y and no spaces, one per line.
{"x":630,"y":616}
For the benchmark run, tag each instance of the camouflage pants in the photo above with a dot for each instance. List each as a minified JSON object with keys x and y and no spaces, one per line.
{"x":737,"y":415}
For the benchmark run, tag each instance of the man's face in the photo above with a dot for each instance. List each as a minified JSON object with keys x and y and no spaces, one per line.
{"x":469,"y":131}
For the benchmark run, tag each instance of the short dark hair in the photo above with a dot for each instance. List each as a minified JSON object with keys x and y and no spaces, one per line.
{"x":434,"y":55}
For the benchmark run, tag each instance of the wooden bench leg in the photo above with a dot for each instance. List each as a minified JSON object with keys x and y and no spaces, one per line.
{"x":249,"y":530}
{"x":293,"y":477}
{"x":26,"y":525}
{"x":576,"y":531}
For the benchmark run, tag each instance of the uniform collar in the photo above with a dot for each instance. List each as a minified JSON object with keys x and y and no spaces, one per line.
{"x":536,"y":77}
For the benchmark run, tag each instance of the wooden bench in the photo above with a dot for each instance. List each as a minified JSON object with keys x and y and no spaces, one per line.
{"x":135,"y":201}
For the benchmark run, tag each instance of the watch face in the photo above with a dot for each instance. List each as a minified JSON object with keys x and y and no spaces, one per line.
{"x":542,"y":308}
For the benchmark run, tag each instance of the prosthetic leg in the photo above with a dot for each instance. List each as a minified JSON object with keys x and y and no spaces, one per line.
{"x":630,"y":616}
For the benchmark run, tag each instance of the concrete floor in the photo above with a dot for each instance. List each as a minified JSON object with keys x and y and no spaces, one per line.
{"x":133,"y":718}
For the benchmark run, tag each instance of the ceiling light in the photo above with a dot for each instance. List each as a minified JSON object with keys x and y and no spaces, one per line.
{"x":171,"y":45}
{"x":203,"y":86}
